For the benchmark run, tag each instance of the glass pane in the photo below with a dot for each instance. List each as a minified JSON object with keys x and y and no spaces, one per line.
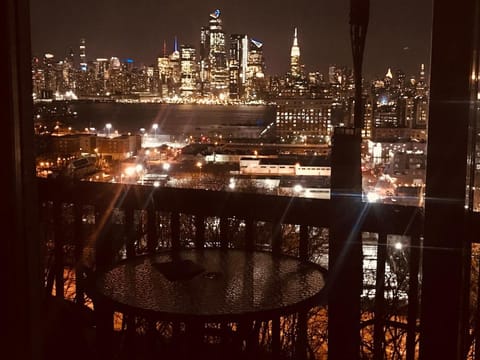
{"x":146,"y":104}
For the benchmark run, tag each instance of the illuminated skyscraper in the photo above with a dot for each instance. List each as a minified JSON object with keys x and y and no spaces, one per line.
{"x":420,"y":107}
{"x":115,"y":81}
{"x":68,"y":73}
{"x":188,"y":70}
{"x":421,"y":86}
{"x":38,"y":77}
{"x":49,"y":68}
{"x":163,"y":67}
{"x":174,"y":59}
{"x":71,"y":58}
{"x":217,"y":56}
{"x":255,"y":70}
{"x":101,"y":75}
{"x":168,"y":72}
{"x":204,"y":64}
{"x":296,"y":81}
{"x":83,"y":56}
{"x":237,"y":64}
{"x":295,"y":68}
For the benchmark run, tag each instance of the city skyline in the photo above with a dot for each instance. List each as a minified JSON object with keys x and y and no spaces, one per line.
{"x":115,"y":28}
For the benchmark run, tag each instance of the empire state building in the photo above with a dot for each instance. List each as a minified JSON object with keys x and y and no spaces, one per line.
{"x":295,"y":68}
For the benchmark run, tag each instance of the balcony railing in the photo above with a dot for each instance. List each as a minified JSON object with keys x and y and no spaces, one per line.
{"x":96,"y":224}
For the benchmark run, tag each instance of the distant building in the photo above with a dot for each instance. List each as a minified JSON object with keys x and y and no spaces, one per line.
{"x":399,"y":108}
{"x":164,"y":74}
{"x":295,"y":66}
{"x":303,"y":120}
{"x":64,"y":145}
{"x":83,"y":55}
{"x":237,"y":65}
{"x":88,"y":143}
{"x":216,"y":70}
{"x":296,"y":80}
{"x":255,"y":75}
{"x":188,"y":71}
{"x":204,"y":64}
{"x":50,"y":76}
{"x":285,"y":166}
{"x":307,"y":176}
{"x":119,"y":147}
{"x":408,"y":168}
{"x":79,"y":168}
{"x":174,"y":82}
{"x":101,"y":75}
{"x":167,"y":79}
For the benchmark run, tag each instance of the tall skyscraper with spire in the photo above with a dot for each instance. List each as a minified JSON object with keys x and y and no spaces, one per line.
{"x":163,"y":67}
{"x":295,"y":67}
{"x":421,"y":102}
{"x":174,"y":62}
{"x":213,"y":56}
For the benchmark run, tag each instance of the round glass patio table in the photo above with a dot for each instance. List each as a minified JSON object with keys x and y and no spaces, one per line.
{"x":211,"y":285}
{"x":201,"y":286}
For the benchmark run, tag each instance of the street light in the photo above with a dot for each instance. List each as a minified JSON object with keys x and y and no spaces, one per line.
{"x":298,"y":188}
{"x":199,"y":165}
{"x":97,"y":157}
{"x":108,"y":127}
{"x":231,"y":184}
{"x":155,"y":127}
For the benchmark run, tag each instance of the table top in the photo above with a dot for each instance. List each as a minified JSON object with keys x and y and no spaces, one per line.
{"x":211,"y":284}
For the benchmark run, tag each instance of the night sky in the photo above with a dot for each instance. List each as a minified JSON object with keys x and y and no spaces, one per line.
{"x":398,"y":34}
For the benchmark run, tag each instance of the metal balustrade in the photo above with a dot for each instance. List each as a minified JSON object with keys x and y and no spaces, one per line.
{"x":96,"y":224}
